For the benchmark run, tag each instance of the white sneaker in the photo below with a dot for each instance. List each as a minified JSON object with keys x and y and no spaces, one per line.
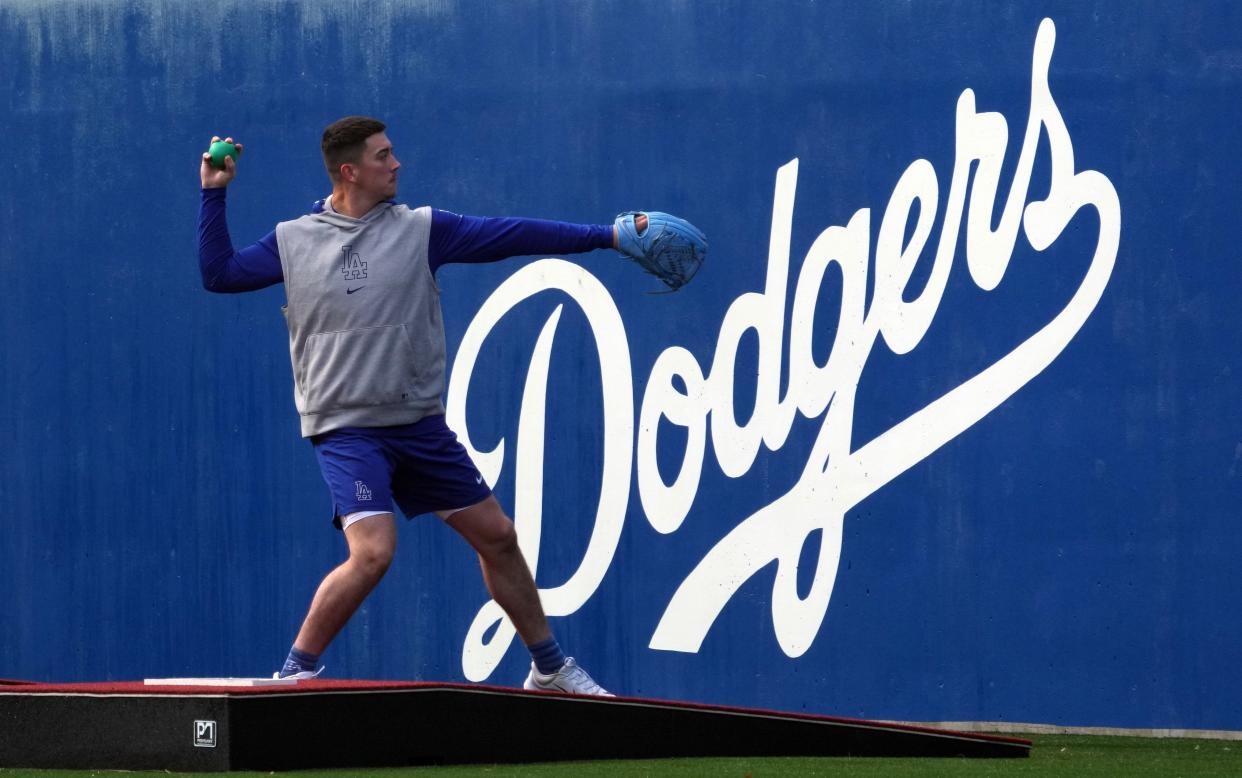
{"x":570,"y":679}
{"x":305,"y":675}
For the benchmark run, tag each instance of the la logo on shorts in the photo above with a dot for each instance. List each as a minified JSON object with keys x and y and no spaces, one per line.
{"x":363,"y":493}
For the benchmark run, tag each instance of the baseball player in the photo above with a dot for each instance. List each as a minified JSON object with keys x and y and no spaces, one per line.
{"x":367,"y":344}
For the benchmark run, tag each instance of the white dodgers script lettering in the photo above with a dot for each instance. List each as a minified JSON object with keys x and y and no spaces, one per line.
{"x":836,"y":476}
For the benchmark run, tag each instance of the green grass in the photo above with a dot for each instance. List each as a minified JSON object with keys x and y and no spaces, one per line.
{"x":1053,"y":755}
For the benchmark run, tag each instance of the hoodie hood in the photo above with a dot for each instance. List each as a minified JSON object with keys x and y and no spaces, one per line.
{"x":322,"y":211}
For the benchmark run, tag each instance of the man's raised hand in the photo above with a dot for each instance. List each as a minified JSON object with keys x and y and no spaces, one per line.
{"x":214,"y":177}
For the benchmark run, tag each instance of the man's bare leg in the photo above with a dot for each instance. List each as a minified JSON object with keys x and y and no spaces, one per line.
{"x":486,"y":527}
{"x":372,"y":542}
{"x":490,"y":532}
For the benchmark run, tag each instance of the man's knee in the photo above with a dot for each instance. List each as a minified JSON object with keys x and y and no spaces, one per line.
{"x":495,"y":535}
{"x":372,"y":544}
{"x":372,"y":559}
{"x":503,"y":535}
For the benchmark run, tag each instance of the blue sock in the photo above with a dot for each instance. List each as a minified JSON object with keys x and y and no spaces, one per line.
{"x":547,"y":655}
{"x":298,"y":662}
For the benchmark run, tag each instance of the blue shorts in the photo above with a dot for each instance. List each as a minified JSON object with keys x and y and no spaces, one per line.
{"x":421,"y":467}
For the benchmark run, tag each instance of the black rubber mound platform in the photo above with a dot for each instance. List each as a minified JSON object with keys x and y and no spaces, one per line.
{"x":129,"y":726}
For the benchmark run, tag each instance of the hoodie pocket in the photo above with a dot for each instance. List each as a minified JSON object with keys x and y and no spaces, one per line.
{"x":358,"y":368}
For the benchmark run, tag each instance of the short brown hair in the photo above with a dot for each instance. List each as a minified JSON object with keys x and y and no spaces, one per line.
{"x":344,"y":140}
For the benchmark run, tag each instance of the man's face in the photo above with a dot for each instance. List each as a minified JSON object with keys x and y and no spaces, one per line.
{"x":376,"y":171}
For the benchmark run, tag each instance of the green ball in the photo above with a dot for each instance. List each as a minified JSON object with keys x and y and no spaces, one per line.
{"x":219,"y":150}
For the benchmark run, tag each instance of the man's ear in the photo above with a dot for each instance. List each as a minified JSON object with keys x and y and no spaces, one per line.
{"x":348,"y":173}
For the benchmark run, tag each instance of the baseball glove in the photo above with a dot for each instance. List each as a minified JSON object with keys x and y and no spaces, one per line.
{"x":671,"y":249}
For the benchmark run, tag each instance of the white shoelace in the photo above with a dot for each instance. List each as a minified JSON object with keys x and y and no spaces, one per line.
{"x":579,"y":680}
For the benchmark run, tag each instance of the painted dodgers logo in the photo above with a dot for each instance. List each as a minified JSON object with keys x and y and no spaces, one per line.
{"x":836,"y":476}
{"x":352,"y":265}
{"x":361,"y":492}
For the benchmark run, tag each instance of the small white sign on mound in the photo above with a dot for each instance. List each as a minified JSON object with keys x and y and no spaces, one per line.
{"x":220,"y":681}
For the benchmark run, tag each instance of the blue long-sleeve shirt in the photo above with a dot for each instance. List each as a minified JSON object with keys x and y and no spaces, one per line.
{"x":454,"y":238}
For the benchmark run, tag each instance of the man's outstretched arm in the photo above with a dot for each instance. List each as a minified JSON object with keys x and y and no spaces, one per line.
{"x":456,"y":238}
{"x":223,"y":269}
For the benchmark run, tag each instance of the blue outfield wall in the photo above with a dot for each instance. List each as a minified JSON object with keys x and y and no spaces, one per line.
{"x":946,"y":429}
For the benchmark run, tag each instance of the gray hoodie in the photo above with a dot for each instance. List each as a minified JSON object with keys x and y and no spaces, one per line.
{"x":366,"y":335}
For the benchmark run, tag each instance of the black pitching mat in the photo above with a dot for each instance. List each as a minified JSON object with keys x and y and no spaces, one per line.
{"x":314,"y":724}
